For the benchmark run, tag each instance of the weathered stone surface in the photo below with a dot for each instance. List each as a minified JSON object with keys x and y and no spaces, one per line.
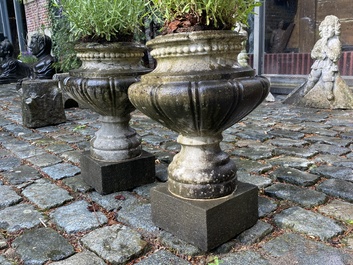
{"x":266,"y":206}
{"x":259,"y":181}
{"x":3,"y":243}
{"x":253,"y":154}
{"x":244,"y":258}
{"x":77,"y":184}
{"x":295,"y":176}
{"x":44,"y":160}
{"x":343,"y":173}
{"x":42,"y":103}
{"x":288,"y":161}
{"x":116,"y":244}
{"x":82,"y":258}
{"x":251,"y":166}
{"x":4,"y":261}
{"x":162,"y":172}
{"x":255,"y":233}
{"x":180,"y":246}
{"x":58,"y":147}
{"x":163,"y":257}
{"x":18,"y":217}
{"x":76,"y":217}
{"x":72,"y":156}
{"x":115,"y":200}
{"x":199,"y":220}
{"x":307,"y":222}
{"x":283,"y":142}
{"x":305,"y":197}
{"x":61,"y":170}
{"x":8,"y":197}
{"x":286,"y":134}
{"x":38,"y":194}
{"x":294,"y":249}
{"x":144,"y":191}
{"x":254,"y":135}
{"x":42,"y":244}
{"x":137,"y":215}
{"x":337,"y":188}
{"x":7,"y":163}
{"x":339,"y":210}
{"x":21,"y":175}
{"x":296,"y":151}
{"x":330,"y":149}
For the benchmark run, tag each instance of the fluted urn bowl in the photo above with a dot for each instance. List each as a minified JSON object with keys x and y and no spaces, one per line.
{"x":101,"y":83}
{"x":198,"y":90}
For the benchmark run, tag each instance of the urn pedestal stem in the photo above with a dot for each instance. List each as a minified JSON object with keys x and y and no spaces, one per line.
{"x":198,"y":90}
{"x":115,"y":161}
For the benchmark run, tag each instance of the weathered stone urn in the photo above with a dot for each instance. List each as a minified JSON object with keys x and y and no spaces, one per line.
{"x":198,"y":90}
{"x":115,"y":161}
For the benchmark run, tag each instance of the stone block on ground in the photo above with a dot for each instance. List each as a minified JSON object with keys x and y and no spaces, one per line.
{"x":83,"y":258}
{"x":205,"y":223}
{"x":8,"y":197}
{"x":109,"y":177}
{"x":42,"y":103}
{"x":163,"y":257}
{"x":337,"y":188}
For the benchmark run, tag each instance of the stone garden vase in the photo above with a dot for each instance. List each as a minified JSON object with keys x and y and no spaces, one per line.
{"x":199,"y":90}
{"x":101,"y":83}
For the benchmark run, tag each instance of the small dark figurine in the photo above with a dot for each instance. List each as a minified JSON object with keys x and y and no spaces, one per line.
{"x":12,"y":70}
{"x":40,"y":47}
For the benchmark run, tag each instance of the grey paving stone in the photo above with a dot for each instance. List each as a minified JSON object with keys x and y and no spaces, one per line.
{"x":256,"y":233}
{"x":337,"y":188}
{"x":330,"y":149}
{"x":46,"y":195}
{"x":305,"y":197}
{"x":162,"y":172}
{"x":8,"y":197}
{"x":137,"y":215}
{"x":69,"y":137}
{"x":3,"y":242}
{"x":343,"y":173}
{"x":21,"y":174}
{"x":82,"y":258}
{"x":329,"y":140}
{"x":61,"y":170}
{"x":295,"y":176}
{"x":321,"y":132}
{"x":44,"y":160}
{"x":58,"y":148}
{"x":115,"y":200}
{"x":253,"y":154}
{"x":144,"y":191}
{"x":307,"y":222}
{"x":286,"y":134}
{"x":254,"y":135}
{"x":293,"y":249}
{"x":4,"y":261}
{"x":296,"y":151}
{"x":283,"y":142}
{"x":248,"y":257}
{"x":337,"y":161}
{"x":72,"y":156}
{"x":290,"y":161}
{"x":180,"y":246}
{"x":250,"y":166}
{"x":266,"y":206}
{"x":116,"y":244}
{"x":76,"y":217}
{"x":163,"y":257}
{"x":340,"y":210}
{"x":17,"y":130}
{"x":40,"y":245}
{"x":25,"y":152}
{"x":15,"y":218}
{"x":4,"y":153}
{"x":7,"y":163}
{"x":77,"y":184}
{"x":259,"y":181}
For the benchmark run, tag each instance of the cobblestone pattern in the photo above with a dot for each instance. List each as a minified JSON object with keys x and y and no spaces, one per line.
{"x":300,"y":159}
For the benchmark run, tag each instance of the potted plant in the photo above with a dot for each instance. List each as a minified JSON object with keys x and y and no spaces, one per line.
{"x":111,"y":61}
{"x":198,"y":90}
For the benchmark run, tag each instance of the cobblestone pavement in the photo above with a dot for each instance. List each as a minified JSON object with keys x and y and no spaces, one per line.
{"x":300,"y":159}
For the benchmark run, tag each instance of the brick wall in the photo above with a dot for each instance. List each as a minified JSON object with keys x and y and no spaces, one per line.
{"x":36,"y":15}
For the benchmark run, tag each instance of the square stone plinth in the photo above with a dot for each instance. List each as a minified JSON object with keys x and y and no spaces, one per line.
{"x":109,"y":177}
{"x":205,"y":223}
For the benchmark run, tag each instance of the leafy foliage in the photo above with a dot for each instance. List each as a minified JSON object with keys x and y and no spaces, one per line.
{"x":216,"y":14}
{"x":103,"y":19}
{"x":63,"y":47}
